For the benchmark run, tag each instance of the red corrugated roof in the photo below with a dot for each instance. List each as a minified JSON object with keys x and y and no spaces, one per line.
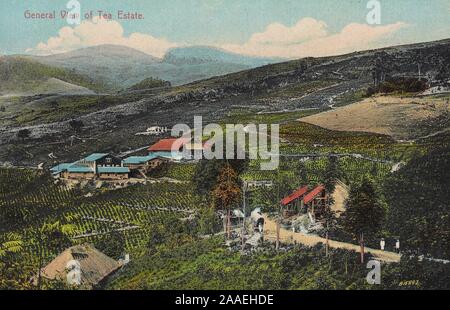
{"x":167,"y":144}
{"x":298,"y":193}
{"x":312,"y":194}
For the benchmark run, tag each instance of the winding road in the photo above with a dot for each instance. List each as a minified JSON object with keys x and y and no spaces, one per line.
{"x":288,"y":236}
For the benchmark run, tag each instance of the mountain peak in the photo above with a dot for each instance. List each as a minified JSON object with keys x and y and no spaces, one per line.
{"x":193,"y":55}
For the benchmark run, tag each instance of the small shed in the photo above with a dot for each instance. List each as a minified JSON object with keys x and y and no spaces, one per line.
{"x":293,"y":203}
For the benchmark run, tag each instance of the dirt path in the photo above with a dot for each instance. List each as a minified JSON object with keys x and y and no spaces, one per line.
{"x":311,"y":240}
{"x":339,"y":195}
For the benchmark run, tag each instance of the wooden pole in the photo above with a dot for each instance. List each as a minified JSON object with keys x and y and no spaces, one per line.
{"x":225,"y":227}
{"x":362,"y":247}
{"x":278,"y":235}
{"x":229,"y":224}
{"x":327,"y":244}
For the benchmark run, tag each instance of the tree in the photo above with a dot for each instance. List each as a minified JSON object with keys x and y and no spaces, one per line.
{"x":301,"y":172}
{"x":156,"y":236}
{"x":418,"y":198}
{"x":206,"y":172}
{"x":208,"y":221}
{"x":51,"y":236}
{"x":364,"y":212}
{"x":14,"y":266}
{"x":23,"y":134}
{"x":227,"y":193}
{"x":285,"y":185}
{"x":76,"y":125}
{"x":112,"y":245}
{"x":11,"y":245}
{"x":332,"y":174}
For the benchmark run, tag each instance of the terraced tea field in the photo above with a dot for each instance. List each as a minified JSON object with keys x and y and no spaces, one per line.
{"x":33,"y":196}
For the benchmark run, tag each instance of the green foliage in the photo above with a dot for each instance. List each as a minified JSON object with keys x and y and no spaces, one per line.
{"x":332,"y":174}
{"x":206,"y":264}
{"x":418,"y":197}
{"x":399,"y":84}
{"x":47,"y":218}
{"x":364,"y":211}
{"x":208,"y":221}
{"x":76,"y":125}
{"x":22,"y":74}
{"x":149,"y":84}
{"x":207,"y":171}
{"x":23,"y":134}
{"x":178,"y":171}
{"x":113,"y":245}
{"x":227,"y":192}
{"x":67,"y":107}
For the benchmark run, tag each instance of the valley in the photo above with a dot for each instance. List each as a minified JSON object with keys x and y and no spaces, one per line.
{"x":352,"y":158}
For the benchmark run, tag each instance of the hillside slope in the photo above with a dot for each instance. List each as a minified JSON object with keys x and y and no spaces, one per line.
{"x":204,"y":54}
{"x":316,"y":83}
{"x":21,"y":76}
{"x":120,"y":67}
{"x":402,"y":118}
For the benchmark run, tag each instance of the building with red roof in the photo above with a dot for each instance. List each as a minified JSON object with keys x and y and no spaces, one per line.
{"x":303,"y":201}
{"x":169,"y":145}
{"x":293,"y":203}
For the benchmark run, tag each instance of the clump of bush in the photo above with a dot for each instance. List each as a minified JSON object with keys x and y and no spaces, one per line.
{"x":399,"y":85}
{"x":149,"y":84}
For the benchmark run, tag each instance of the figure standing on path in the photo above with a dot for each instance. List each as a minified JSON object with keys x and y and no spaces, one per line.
{"x":397,"y":246}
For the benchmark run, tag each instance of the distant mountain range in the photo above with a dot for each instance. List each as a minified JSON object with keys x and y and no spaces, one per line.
{"x":118,"y":67}
{"x":197,"y":55}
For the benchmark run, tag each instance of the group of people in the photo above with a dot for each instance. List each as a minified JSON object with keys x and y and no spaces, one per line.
{"x":383,"y":244}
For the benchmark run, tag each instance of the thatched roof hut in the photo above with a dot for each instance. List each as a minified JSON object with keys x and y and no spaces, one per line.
{"x":92,"y":266}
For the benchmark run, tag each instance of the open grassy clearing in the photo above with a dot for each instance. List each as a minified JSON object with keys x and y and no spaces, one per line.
{"x":402,"y":118}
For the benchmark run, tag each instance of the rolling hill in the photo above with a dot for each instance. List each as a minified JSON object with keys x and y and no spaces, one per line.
{"x":309,"y":83}
{"x":119,"y":67}
{"x":22,"y":76}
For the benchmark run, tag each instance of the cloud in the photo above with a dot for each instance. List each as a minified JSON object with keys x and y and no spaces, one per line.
{"x":98,"y":32}
{"x":311,"y":37}
{"x":308,"y":37}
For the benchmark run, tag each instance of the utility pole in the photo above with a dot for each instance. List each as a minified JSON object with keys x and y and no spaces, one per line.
{"x":278,"y":234}
{"x":361,"y":240}
{"x":326,"y":243}
{"x":243,"y":220}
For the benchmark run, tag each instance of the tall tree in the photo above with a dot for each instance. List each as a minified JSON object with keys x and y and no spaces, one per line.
{"x":227,"y":193}
{"x":301,"y":172}
{"x":364,"y":213}
{"x":206,"y":172}
{"x":332,"y":174}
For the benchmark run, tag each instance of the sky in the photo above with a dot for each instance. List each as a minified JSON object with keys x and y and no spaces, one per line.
{"x":265,"y":28}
